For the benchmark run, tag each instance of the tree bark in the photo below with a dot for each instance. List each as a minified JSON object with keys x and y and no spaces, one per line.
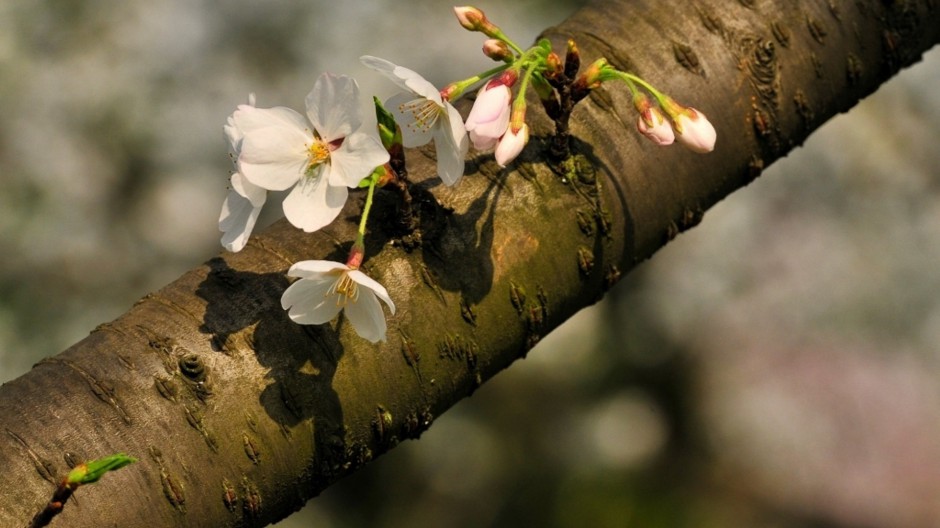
{"x":238,"y":416}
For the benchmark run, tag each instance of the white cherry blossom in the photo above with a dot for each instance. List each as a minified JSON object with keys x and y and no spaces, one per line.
{"x":279,"y":150}
{"x":326,"y":287}
{"x":424,"y":115}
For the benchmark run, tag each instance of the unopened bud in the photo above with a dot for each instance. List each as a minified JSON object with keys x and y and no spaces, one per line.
{"x":553,"y":63}
{"x":593,"y":76}
{"x":572,"y":60}
{"x":508,"y":77}
{"x":497,"y":50}
{"x":389,"y":131}
{"x":471,"y":18}
{"x":588,"y":80}
{"x":386,"y":175}
{"x":511,"y":144}
{"x":654,"y":126}
{"x":693,"y":129}
{"x":641,"y":102}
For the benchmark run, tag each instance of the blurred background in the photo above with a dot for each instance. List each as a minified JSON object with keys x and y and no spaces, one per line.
{"x":776,"y":366}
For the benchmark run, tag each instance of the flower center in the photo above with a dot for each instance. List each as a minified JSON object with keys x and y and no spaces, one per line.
{"x":318,"y":153}
{"x":345,"y":289}
{"x":424,"y":113}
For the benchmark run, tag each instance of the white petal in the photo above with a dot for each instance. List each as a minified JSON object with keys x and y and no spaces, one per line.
{"x":457,"y":130}
{"x":310,"y":302}
{"x":384,"y":67}
{"x":237,"y":221}
{"x":314,"y":203}
{"x":481,"y":142}
{"x":417,"y":84}
{"x":241,"y":185}
{"x":355,"y":159}
{"x":233,"y":135}
{"x":411,"y":135}
{"x":274,"y":157}
{"x":405,"y":78}
{"x":333,"y":106}
{"x":364,"y":280}
{"x":247,"y":118}
{"x":380,"y":65}
{"x":367,"y":317}
{"x":451,"y":144}
{"x":315,"y":268}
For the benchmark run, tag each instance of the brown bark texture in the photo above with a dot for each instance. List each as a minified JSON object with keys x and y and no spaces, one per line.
{"x":238,"y":415}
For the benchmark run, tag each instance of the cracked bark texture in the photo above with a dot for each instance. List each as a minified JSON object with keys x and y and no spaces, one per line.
{"x":238,"y":416}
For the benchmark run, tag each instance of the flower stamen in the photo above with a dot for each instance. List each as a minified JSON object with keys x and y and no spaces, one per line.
{"x":345,"y":289}
{"x":424,"y":111}
{"x":317,"y":153}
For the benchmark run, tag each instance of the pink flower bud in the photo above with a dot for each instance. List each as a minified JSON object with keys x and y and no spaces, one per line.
{"x":695,"y":131}
{"x":471,"y":18}
{"x":489,"y":116}
{"x":653,"y":125}
{"x":496,"y":50}
{"x":511,"y":144}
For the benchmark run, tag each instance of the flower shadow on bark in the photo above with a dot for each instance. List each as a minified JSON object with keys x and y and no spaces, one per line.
{"x":243,"y":312}
{"x":465,"y":243}
{"x":454,"y":249}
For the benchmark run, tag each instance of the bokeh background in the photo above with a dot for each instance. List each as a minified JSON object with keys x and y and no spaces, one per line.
{"x":776,"y":366}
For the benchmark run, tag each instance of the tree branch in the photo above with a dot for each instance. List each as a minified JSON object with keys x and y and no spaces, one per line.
{"x":238,"y":416}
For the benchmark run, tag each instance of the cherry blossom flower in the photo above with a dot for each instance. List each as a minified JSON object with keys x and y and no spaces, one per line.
{"x":326,"y":287}
{"x":695,"y":131}
{"x":279,"y":151}
{"x":489,"y":116}
{"x":244,"y":201}
{"x":424,"y":115}
{"x":511,"y":144}
{"x":653,"y":125}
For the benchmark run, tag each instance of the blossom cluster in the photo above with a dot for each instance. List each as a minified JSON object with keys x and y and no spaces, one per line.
{"x":320,"y":156}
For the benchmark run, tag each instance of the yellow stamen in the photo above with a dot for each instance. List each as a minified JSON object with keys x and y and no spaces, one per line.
{"x":424,"y":111}
{"x":345,"y":289}
{"x":317,"y":153}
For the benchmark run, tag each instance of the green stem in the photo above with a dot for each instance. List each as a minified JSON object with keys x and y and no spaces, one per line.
{"x":462,"y":85}
{"x":498,"y":34}
{"x":630,"y":79}
{"x":524,"y":84}
{"x":367,"y":208}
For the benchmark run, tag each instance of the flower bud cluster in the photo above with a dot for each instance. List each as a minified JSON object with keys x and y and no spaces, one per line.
{"x":686,"y":124}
